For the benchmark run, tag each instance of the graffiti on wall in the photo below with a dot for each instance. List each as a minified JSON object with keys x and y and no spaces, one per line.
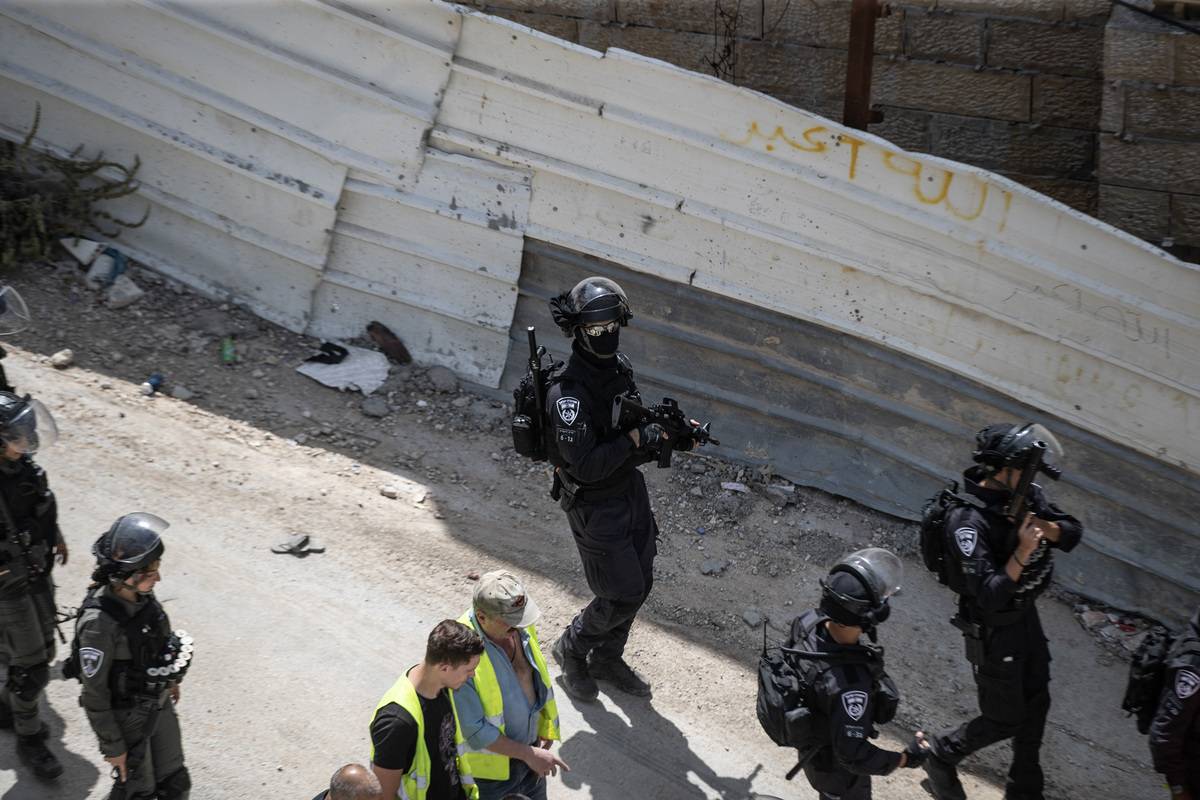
{"x":930,"y":185}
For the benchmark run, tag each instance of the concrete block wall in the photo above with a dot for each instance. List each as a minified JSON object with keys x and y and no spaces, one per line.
{"x":1098,"y":113}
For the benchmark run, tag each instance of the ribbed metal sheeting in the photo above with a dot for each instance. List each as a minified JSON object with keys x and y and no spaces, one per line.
{"x":833,"y":411}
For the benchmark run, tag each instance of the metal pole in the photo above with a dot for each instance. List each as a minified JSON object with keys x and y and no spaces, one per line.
{"x":856,"y":113}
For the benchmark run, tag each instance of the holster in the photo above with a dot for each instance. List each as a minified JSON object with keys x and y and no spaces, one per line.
{"x":563,"y":490}
{"x":973,"y":638}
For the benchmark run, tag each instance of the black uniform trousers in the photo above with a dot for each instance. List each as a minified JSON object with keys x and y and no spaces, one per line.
{"x":1013,"y":684}
{"x":616,"y":541}
{"x":834,"y":783}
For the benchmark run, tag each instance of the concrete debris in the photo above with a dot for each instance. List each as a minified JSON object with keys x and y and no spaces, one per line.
{"x":780,"y":497}
{"x":486,"y":415}
{"x":62,"y":359}
{"x":442,"y":379}
{"x":735,"y":486}
{"x":83,"y":250}
{"x":753,"y":617}
{"x":714,"y":566}
{"x":180,"y":392}
{"x":124,"y":292}
{"x":389,"y":491}
{"x":375,"y":406}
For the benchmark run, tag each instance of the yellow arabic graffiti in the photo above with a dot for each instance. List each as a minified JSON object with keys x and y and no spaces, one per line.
{"x":921,"y":173}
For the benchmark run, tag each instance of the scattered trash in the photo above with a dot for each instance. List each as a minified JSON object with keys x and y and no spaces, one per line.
{"x":362,"y":370}
{"x":388,"y":342}
{"x":181,"y":392}
{"x":229,"y":355}
{"x":82,"y":250}
{"x":298,"y":544}
{"x":735,"y":486}
{"x":152,"y":384}
{"x":62,"y":359}
{"x":473,"y":575}
{"x":330,"y":353}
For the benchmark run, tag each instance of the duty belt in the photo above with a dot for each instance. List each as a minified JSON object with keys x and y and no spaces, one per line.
{"x":587,"y":493}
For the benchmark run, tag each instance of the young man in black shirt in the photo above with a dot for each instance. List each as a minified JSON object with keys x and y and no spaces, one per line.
{"x":415,"y":736}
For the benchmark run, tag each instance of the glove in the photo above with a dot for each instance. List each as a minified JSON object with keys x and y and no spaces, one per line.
{"x":652,"y":435}
{"x":683,"y":443}
{"x":916,"y":754}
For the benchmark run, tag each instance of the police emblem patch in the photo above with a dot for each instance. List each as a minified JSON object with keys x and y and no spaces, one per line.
{"x":568,"y":409}
{"x":855,"y":704}
{"x":965,"y":537}
{"x":1186,"y":684}
{"x":90,"y":660}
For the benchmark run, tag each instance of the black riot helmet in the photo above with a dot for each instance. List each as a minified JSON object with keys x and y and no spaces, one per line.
{"x":1008,"y":445}
{"x":25,"y":423}
{"x":133,"y":543}
{"x":593,"y":312}
{"x":858,"y":588}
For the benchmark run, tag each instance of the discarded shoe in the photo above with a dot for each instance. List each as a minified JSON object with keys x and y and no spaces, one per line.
{"x":298,"y":544}
{"x":620,"y":675}
{"x":33,"y":751}
{"x":575,"y":678}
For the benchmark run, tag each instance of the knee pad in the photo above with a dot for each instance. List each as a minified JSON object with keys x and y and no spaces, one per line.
{"x":27,"y":682}
{"x":175,"y":786}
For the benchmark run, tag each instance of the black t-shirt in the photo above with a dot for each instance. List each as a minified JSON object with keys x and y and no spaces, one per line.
{"x":394,"y":734}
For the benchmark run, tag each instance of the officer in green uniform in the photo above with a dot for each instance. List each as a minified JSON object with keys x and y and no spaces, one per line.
{"x":131,"y":664}
{"x":29,"y":542}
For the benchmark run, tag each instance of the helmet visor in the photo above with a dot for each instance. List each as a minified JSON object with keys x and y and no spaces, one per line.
{"x":598,"y":301}
{"x":14,"y":314}
{"x":135,"y":536}
{"x":883,"y":569}
{"x":32,"y":429}
{"x":1031,"y":434}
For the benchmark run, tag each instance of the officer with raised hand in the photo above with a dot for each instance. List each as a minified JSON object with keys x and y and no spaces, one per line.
{"x":999,"y":561}
{"x":600,"y":488}
{"x":30,"y":542}
{"x":131,"y":664}
{"x":851,"y":693}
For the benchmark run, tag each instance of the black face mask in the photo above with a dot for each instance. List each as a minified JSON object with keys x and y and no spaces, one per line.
{"x":603,"y":346}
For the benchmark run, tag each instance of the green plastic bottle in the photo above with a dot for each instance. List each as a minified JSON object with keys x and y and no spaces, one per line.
{"x":228,"y":351}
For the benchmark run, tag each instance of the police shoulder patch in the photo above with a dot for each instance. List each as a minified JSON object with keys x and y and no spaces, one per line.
{"x":568,"y":409}
{"x":855,"y":703}
{"x":966,"y":538}
{"x":90,"y":660}
{"x":1186,"y":683}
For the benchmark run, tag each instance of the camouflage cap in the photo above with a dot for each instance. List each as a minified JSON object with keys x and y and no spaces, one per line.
{"x":500,"y":594}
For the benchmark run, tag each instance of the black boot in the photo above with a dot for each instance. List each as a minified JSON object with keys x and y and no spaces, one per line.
{"x":33,"y":751}
{"x":943,"y":779}
{"x":575,"y":678}
{"x":620,"y":675}
{"x":6,"y":717}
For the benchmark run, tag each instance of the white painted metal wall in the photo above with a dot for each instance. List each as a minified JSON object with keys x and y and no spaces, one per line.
{"x":335,"y":161}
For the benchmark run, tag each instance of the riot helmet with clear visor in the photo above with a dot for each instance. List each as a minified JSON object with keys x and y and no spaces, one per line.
{"x":597,"y":309}
{"x":14,"y":314}
{"x":1005,"y":445}
{"x":26,"y":424}
{"x":130,"y":546}
{"x":858,"y":588}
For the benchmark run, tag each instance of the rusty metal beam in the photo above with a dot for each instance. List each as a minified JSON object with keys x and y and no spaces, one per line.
{"x":856,"y":113}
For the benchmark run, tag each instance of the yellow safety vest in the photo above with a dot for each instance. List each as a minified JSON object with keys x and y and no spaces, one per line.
{"x":484,"y":763}
{"x":415,"y":784}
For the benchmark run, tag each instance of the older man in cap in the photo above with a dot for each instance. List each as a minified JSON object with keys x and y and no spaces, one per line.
{"x":507,"y":711}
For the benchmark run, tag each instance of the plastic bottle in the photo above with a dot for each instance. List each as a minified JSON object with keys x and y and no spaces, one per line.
{"x":229,"y":350}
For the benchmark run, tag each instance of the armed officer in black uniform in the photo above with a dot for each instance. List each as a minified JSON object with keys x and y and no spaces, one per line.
{"x":1175,"y":730}
{"x":851,"y":693}
{"x":29,"y":544}
{"x":599,"y":486}
{"x":999,"y":567}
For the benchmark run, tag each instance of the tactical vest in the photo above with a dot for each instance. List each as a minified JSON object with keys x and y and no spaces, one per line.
{"x":415,"y":783}
{"x":27,"y":501}
{"x":577,"y":377}
{"x":493,"y":766}
{"x":147,"y":632}
{"x":1035,"y":577}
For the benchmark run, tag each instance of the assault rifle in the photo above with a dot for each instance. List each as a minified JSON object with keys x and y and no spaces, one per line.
{"x":1035,"y":462}
{"x":678,"y":426}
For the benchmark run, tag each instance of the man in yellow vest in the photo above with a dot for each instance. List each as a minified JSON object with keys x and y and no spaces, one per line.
{"x":416,"y":743}
{"x":507,"y":711}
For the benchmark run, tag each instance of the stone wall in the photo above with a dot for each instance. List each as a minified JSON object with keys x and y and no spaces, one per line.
{"x":1102,"y":114}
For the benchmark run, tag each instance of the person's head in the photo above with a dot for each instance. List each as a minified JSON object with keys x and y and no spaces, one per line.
{"x":26,"y":426}
{"x":129,"y":553}
{"x":593,"y":314}
{"x":856,"y":593}
{"x":1003,"y":450}
{"x":354,"y":782}
{"x":452,"y":652}
{"x":501,"y":604}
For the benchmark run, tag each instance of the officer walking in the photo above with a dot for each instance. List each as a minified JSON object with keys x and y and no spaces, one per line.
{"x":850,"y":691}
{"x":999,"y":566}
{"x":29,"y":544}
{"x":131,"y":664}
{"x":600,"y":488}
{"x":1175,"y":730}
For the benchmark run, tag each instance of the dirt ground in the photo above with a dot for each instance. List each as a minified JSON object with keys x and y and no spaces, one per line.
{"x":293,"y":654}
